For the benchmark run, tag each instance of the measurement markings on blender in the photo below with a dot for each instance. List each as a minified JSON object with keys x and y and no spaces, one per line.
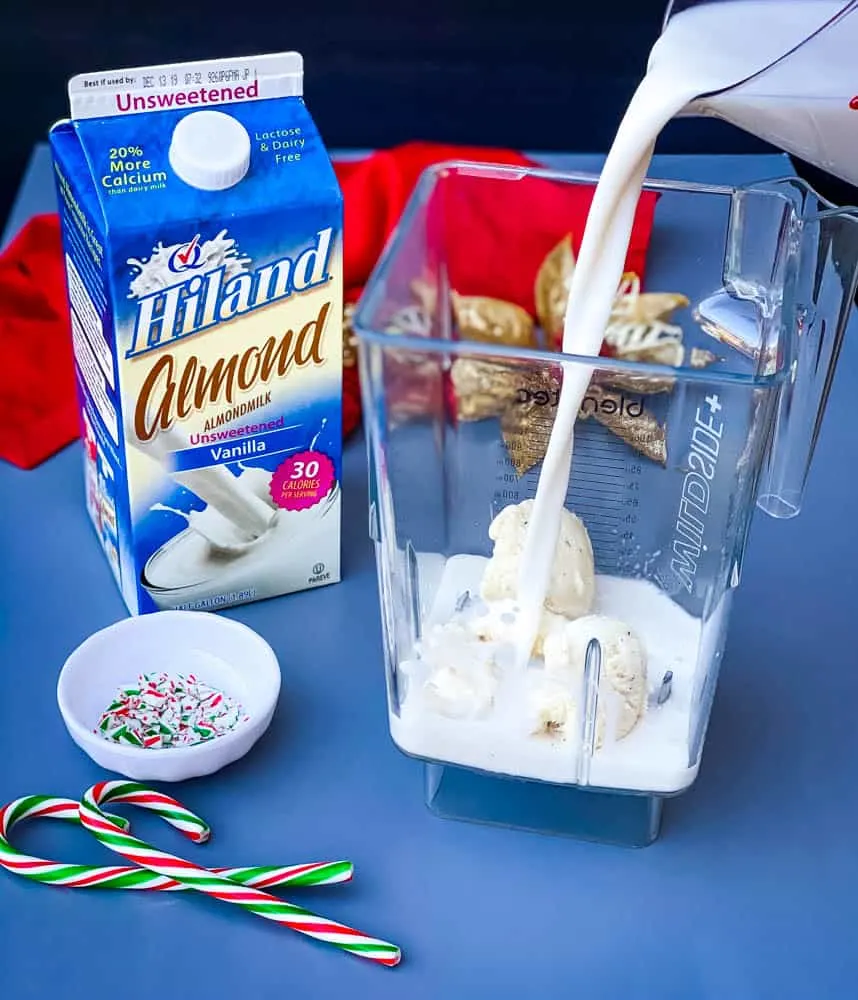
{"x":702,"y":463}
{"x":604,"y":493}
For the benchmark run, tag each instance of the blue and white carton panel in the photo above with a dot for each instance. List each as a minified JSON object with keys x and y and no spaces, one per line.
{"x":202,"y":233}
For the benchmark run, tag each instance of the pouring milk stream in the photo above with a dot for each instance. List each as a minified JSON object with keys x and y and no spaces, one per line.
{"x":704,"y":50}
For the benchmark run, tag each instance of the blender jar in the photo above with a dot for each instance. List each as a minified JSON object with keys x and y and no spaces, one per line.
{"x":705,"y":402}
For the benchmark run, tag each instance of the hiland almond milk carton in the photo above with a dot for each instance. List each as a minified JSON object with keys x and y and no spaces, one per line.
{"x":202,"y":232}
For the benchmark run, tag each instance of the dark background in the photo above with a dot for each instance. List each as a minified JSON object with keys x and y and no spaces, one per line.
{"x":531,"y":74}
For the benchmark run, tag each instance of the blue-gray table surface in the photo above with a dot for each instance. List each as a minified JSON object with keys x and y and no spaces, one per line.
{"x":751,"y":892}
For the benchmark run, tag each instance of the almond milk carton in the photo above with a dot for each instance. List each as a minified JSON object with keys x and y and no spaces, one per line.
{"x":202,"y":231}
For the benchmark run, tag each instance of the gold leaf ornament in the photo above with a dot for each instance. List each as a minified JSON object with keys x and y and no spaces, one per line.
{"x":529,"y":414}
{"x":412,"y":378}
{"x":350,"y":355}
{"x":634,"y":306}
{"x":524,"y":396}
{"x":551,"y":288}
{"x":528,"y":417}
{"x":638,"y":328}
{"x":492,"y":321}
{"x":483,"y":389}
{"x":628,"y":419}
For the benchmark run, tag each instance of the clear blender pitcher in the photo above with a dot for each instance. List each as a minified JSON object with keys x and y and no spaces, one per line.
{"x":694,"y":415}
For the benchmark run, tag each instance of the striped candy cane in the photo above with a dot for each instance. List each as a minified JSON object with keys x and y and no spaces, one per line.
{"x":116,"y":877}
{"x":212,"y":883}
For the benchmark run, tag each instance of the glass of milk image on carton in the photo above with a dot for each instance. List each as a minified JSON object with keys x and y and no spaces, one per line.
{"x":202,"y":233}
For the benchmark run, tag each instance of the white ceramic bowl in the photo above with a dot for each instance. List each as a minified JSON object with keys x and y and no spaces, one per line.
{"x":219,"y":651}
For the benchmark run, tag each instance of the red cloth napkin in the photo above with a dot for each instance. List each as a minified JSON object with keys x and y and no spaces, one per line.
{"x":376,"y":189}
{"x":38,"y":408}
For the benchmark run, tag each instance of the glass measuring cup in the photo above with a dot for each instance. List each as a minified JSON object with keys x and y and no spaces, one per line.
{"x":779,"y":69}
{"x":671,"y":457}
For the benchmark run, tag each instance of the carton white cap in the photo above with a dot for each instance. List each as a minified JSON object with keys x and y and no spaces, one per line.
{"x":210,"y":150}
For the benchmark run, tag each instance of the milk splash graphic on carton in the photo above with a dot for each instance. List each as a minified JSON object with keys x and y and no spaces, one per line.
{"x":203,"y":252}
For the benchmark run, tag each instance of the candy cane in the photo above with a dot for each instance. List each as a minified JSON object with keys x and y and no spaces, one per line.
{"x":109,"y":833}
{"x":116,"y":877}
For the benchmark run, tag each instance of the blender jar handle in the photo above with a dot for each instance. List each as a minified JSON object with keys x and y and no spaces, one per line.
{"x":814,"y":321}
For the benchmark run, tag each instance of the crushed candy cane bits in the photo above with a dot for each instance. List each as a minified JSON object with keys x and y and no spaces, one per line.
{"x":162,"y":710}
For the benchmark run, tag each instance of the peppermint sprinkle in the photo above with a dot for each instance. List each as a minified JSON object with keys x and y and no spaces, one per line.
{"x":164,"y":710}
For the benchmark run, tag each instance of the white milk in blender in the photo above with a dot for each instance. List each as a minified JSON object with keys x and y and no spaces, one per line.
{"x":202,"y":231}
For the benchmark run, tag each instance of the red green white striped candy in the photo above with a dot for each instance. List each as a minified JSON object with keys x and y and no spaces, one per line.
{"x":211,"y":883}
{"x":164,"y":710}
{"x":125,"y":877}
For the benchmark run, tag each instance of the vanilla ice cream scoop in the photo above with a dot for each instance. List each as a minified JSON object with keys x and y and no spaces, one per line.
{"x":622,"y":685}
{"x":572,"y":584}
{"x":461,"y":692}
{"x":551,"y":708}
{"x":463,"y":677}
